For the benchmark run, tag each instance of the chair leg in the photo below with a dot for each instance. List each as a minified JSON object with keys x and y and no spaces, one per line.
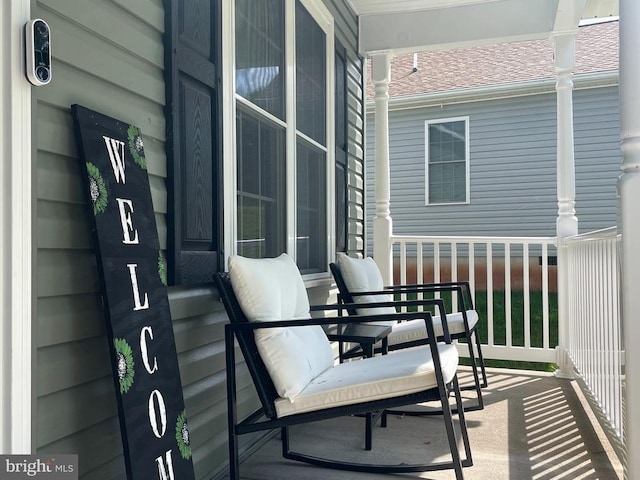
{"x":481,"y":360}
{"x":468,"y":460}
{"x":234,"y":462}
{"x":232,"y":407}
{"x":368,"y":430}
{"x":451,"y":434}
{"x":284,"y":435}
{"x":476,"y":379}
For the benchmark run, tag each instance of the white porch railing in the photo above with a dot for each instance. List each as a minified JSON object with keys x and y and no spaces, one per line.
{"x":595,"y":344}
{"x":513,"y":285}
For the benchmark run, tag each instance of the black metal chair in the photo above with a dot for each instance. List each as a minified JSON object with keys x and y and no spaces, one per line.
{"x":267,"y":417}
{"x":410,"y":334}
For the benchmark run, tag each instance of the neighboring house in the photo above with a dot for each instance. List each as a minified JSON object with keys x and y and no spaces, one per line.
{"x":488,"y":115}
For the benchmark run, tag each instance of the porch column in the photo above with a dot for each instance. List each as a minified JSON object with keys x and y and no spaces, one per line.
{"x":629,"y":191}
{"x":17,"y":213}
{"x":567,"y":222}
{"x":382,"y":225}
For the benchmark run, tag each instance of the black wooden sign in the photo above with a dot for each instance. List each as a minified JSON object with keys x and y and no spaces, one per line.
{"x":153,"y":423}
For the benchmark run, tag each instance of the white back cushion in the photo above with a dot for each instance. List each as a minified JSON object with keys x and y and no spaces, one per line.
{"x":270,"y":289}
{"x":363,"y":275}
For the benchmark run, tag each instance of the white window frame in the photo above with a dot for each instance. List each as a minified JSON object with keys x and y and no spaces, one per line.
{"x":427,"y":124}
{"x":322,"y":16}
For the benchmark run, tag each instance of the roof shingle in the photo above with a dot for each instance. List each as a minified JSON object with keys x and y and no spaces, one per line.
{"x":440,"y":71}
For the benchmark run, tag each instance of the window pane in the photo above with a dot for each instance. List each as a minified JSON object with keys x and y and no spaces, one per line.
{"x":459,"y":182}
{"x":311,"y":206}
{"x":261,"y":187}
{"x":447,"y":142}
{"x":260,"y":53}
{"x":310,"y":76}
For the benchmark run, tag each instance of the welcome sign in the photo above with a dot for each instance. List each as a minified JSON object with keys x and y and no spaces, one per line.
{"x":153,"y":423}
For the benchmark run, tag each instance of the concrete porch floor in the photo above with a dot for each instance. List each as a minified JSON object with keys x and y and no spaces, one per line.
{"x":533,"y":426}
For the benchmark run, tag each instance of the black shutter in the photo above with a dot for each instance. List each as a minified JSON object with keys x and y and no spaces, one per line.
{"x":341,"y":149}
{"x":193,"y":143}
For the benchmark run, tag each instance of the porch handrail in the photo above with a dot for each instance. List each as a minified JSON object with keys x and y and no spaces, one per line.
{"x":604,"y":233}
{"x":596,"y":344}
{"x":472,"y":239}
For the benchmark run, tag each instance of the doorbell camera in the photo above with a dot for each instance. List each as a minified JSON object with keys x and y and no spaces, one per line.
{"x":38,"y":49}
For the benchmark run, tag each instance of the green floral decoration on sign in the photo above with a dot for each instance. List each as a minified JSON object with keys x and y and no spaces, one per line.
{"x":124,"y":359}
{"x":162,"y":269}
{"x":136,"y":147}
{"x":97,"y":189}
{"x":182,"y":436}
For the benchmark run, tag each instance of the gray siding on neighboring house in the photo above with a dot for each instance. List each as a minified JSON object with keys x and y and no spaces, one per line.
{"x":108,"y":56}
{"x":512,"y":165}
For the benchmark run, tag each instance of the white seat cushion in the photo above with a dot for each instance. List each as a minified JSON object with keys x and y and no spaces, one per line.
{"x":411,"y":330}
{"x":363,"y":275}
{"x":271,"y":289}
{"x":401,"y":373}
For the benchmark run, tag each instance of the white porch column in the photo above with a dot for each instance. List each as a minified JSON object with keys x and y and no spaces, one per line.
{"x":629,"y":190}
{"x":16,"y":236}
{"x":567,"y":222}
{"x":382,"y":225}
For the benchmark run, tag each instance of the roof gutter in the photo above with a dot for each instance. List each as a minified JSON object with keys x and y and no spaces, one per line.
{"x":495,"y":92}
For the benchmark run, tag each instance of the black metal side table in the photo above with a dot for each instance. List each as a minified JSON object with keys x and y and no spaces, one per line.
{"x":366,"y":335}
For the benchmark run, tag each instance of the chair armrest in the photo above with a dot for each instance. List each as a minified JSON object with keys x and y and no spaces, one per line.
{"x":463,"y":285}
{"x":426,"y":316}
{"x":462,"y":304}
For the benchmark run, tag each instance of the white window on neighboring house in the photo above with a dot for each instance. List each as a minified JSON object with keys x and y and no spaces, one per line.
{"x":447,"y":161}
{"x":284,"y":83}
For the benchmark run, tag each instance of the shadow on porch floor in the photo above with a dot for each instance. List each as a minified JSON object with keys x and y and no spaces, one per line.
{"x":534,"y":426}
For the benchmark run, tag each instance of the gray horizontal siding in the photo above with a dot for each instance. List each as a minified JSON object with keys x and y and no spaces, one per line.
{"x":346,"y":31}
{"x":108,"y":56}
{"x":512,"y":165}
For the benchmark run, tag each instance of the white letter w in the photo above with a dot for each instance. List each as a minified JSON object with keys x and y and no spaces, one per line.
{"x":116,"y":155}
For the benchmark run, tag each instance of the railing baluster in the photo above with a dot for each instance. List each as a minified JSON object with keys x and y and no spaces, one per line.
{"x":419,"y":262}
{"x":403,"y":263}
{"x":608,"y":345}
{"x":472,"y":271}
{"x":545,"y":296}
{"x":617,"y":329}
{"x":490,"y":294}
{"x":507,"y":293}
{"x":436,"y":264}
{"x":419,"y":268}
{"x":454,"y":274}
{"x":526,"y":293}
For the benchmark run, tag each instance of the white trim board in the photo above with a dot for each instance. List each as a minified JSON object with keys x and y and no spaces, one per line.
{"x":495,"y":92}
{"x":16,"y":235}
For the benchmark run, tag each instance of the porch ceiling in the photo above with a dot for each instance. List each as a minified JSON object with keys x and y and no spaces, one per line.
{"x":402,"y":26}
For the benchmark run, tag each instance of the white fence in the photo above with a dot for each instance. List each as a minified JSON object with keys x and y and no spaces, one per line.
{"x":595,"y":342}
{"x":512,"y":281}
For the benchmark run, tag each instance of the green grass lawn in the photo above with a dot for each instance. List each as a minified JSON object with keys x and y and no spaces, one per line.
{"x":517,"y":324}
